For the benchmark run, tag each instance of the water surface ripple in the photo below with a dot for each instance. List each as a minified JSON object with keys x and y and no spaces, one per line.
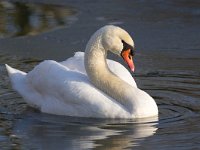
{"x":176,"y":93}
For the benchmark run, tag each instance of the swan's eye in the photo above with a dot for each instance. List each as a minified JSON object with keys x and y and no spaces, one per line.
{"x":130,"y":56}
{"x":127,"y":47}
{"x":132,"y":53}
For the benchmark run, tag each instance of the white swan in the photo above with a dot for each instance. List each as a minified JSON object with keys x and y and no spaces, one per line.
{"x":100,"y":89}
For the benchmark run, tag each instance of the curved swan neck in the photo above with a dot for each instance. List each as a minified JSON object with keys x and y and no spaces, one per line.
{"x":95,"y":58}
{"x":101,"y":76}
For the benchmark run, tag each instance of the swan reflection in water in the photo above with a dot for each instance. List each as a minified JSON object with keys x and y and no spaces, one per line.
{"x":42,"y":131}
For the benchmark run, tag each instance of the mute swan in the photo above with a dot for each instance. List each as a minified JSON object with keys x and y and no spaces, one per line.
{"x":86,"y":85}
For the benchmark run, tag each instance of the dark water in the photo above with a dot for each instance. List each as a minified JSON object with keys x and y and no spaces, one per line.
{"x":166,"y":35}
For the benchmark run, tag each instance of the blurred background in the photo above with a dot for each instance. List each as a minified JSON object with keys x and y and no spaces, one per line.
{"x":55,"y":29}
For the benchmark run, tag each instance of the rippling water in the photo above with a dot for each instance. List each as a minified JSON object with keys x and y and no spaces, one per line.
{"x":167,"y":67}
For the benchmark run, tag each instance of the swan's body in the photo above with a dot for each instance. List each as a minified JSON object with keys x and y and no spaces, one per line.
{"x":101,"y":89}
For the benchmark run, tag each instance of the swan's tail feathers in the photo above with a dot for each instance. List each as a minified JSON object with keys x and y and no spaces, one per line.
{"x":19,"y":83}
{"x":16,"y":77}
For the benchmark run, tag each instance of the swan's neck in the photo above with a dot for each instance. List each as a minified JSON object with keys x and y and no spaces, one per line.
{"x":101,"y":76}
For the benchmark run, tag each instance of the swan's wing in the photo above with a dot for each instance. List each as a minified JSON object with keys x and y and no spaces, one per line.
{"x":76,"y":63}
{"x":121,"y":72}
{"x":65,"y":92}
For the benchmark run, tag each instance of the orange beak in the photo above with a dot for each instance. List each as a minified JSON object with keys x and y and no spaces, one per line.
{"x":128,"y":58}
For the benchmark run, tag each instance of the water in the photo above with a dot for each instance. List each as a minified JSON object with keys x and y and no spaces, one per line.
{"x":166,"y":35}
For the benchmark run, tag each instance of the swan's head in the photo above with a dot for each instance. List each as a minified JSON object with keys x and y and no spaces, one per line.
{"x":119,"y":42}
